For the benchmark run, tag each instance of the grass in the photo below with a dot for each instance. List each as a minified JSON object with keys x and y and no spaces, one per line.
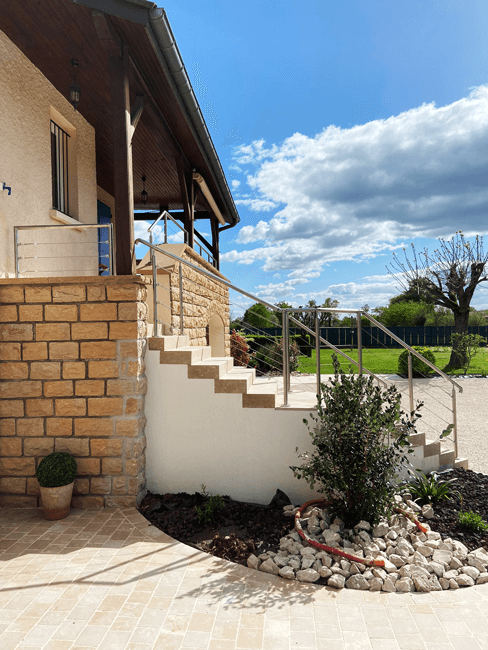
{"x":385,"y":361}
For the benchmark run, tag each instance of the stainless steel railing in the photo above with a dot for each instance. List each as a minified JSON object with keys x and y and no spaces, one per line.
{"x":65,"y":254}
{"x":165,"y":216}
{"x":286,"y":315}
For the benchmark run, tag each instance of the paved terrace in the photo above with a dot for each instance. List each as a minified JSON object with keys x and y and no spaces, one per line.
{"x":105,"y":579}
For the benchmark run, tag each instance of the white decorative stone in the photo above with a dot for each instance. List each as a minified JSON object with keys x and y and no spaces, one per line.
{"x":294,"y":563}
{"x":287,"y":572}
{"x":414,"y":506}
{"x":427,"y":511}
{"x":268,"y":566}
{"x":437,"y":568}
{"x":363,"y":525}
{"x":404,"y":585}
{"x":424,"y":550}
{"x":281,"y":560}
{"x":455,"y":563}
{"x":388,"y":585}
{"x":444,"y":583}
{"x":375,"y":584}
{"x":357,"y":582}
{"x":464,"y":580}
{"x":307,"y":551}
{"x":482,"y":555}
{"x":471,"y":571}
{"x":307,"y":575}
{"x":421,"y":583}
{"x":443,"y":557}
{"x":337,"y":581}
{"x":253,"y":562}
{"x":307,"y":562}
{"x":453,"y":584}
{"x":475,"y":562}
{"x":381,"y":529}
{"x":482,"y":579}
{"x":324,"y":572}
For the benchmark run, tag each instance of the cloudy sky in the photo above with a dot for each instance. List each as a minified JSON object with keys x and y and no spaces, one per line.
{"x":347,"y":130}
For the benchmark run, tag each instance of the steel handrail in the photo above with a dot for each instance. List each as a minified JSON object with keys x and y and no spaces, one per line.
{"x":77,"y":226}
{"x":318,"y":339}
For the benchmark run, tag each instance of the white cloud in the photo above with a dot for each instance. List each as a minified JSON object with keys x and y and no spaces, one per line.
{"x":351,"y":194}
{"x":259,"y":204}
{"x":235,"y":184}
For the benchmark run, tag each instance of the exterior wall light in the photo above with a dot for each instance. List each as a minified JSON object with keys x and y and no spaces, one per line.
{"x":74,"y":89}
{"x":144,"y":193}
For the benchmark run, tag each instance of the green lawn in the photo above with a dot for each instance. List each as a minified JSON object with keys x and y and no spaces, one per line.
{"x":385,"y":361}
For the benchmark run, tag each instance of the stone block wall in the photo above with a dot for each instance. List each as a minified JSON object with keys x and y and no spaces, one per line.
{"x":72,"y":379}
{"x":203,"y":299}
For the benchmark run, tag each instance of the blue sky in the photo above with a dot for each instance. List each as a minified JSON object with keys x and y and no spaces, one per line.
{"x":346,"y":131}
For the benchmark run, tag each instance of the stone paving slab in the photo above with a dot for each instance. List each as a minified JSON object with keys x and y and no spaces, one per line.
{"x":106,"y":579}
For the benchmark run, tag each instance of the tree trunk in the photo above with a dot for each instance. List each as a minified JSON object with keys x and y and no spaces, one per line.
{"x":458,"y":357}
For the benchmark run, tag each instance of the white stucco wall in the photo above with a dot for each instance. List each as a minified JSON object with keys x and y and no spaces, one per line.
{"x":196,"y":436}
{"x":28,"y":102}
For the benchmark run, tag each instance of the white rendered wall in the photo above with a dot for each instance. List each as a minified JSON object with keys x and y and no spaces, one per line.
{"x":28,"y":102}
{"x":196,"y":436}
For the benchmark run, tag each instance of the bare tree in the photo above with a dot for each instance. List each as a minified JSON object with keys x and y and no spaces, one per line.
{"x":448,"y":278}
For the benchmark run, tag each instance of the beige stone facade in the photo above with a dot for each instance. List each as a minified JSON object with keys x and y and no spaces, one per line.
{"x":206,"y":313}
{"x":72,"y":379}
{"x":28,"y":103}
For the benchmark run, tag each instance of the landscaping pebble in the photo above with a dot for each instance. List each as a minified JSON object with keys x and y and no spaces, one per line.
{"x":413,"y":560}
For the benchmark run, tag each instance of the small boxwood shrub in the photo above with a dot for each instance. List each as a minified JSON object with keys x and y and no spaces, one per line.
{"x":57,"y":469}
{"x":419,"y":368}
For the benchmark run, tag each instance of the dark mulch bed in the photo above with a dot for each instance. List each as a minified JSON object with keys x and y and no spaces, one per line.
{"x":240,"y":529}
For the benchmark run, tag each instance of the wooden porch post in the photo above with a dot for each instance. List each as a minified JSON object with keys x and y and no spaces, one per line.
{"x":214,"y":224}
{"x":188,"y":200}
{"x":122,"y":159}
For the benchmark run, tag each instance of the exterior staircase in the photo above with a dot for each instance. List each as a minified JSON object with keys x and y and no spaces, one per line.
{"x":263,"y":392}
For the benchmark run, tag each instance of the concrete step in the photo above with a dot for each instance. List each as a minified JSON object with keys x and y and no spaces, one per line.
{"x":432,"y":449}
{"x":262,"y":394}
{"x":446,"y":460}
{"x":185,"y":355}
{"x":417,"y":439}
{"x":237,"y":380}
{"x":168,"y":342}
{"x":461,"y":463}
{"x":211,"y":368}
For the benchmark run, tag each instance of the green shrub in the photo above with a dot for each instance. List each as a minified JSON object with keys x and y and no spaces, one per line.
{"x":270,"y":356}
{"x":472,"y":522}
{"x":467,"y":347}
{"x":419,"y":368}
{"x":57,"y":469}
{"x":212,"y":505}
{"x":239,"y":349}
{"x":361,"y":439}
{"x":430,"y":489}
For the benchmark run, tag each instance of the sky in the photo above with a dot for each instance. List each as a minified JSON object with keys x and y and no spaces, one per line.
{"x":346,"y":130}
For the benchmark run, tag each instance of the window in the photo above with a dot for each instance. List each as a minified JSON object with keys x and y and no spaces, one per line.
{"x":59,"y":165}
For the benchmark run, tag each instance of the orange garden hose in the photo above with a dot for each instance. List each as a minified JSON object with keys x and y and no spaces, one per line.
{"x":336,"y":551}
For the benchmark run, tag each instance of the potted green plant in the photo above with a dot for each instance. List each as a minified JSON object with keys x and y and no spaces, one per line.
{"x":56,"y":475}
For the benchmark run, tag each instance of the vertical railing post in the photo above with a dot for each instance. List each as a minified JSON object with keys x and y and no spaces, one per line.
{"x":410,"y":385}
{"x":181,"y":299}
{"x":286,"y":357}
{"x":317,"y":350}
{"x":360,"y":343}
{"x":16,"y":252}
{"x":454,"y":421}
{"x":155,"y":287}
{"x":165,"y":227}
{"x":110,"y":249}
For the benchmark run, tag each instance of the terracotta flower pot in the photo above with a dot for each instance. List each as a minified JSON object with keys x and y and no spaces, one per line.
{"x":56,"y":501}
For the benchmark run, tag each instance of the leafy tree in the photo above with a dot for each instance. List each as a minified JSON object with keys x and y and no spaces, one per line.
{"x":260,"y":317}
{"x":405,"y":314}
{"x":326,"y":319}
{"x":449,"y":277}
